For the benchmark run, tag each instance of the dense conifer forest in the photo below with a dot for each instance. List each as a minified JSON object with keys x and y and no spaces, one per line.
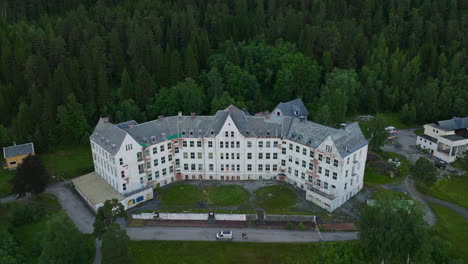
{"x":65,"y":63}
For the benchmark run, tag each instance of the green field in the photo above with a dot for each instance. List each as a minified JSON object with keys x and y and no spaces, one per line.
{"x":275,"y":197}
{"x":181,"y":194}
{"x":372,"y":177}
{"x":5,"y":187}
{"x":69,"y":161}
{"x":197,"y":252}
{"x":228,"y":195}
{"x":393,"y":119}
{"x":452,"y":190}
{"x":452,"y":227}
{"x":381,"y":193}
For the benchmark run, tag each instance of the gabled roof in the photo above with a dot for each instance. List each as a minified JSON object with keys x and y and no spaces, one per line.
{"x":18,"y":150}
{"x":290,"y":108}
{"x":454,"y":123}
{"x":107,"y":135}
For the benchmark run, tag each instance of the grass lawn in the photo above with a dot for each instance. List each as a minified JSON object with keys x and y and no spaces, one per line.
{"x":275,"y":197}
{"x":5,"y":187}
{"x":419,"y":131}
{"x":69,"y":161}
{"x":452,"y":227}
{"x":452,"y":190}
{"x":197,"y":252}
{"x":372,"y":177}
{"x":181,"y":194}
{"x":226,"y":195}
{"x":381,"y":193}
{"x":393,"y":119}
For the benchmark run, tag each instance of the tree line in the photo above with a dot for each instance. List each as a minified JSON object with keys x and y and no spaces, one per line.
{"x":62,"y":65}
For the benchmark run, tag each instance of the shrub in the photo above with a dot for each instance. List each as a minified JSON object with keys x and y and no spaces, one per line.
{"x":25,"y":214}
{"x":290,"y":227}
{"x":301,"y":226}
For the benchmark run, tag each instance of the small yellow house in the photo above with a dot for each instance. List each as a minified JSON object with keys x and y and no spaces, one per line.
{"x":15,"y":154}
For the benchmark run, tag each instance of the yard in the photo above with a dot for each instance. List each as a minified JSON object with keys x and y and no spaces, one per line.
{"x":275,"y":197}
{"x":69,"y":161}
{"x":452,"y":227}
{"x":182,"y":194}
{"x":5,"y":187}
{"x":197,"y":252}
{"x":452,"y":190}
{"x":228,"y":195}
{"x":376,"y":171}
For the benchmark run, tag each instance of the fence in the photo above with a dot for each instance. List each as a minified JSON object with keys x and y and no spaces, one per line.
{"x":189,"y":216}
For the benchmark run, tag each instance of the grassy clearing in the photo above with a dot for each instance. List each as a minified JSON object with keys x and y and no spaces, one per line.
{"x":197,"y":252}
{"x":372,"y":177}
{"x":69,"y":161}
{"x":393,"y":119}
{"x":182,"y":194}
{"x":5,"y":186}
{"x":452,"y":227}
{"x":381,"y":193}
{"x":451,"y":190}
{"x":228,"y":195}
{"x":419,"y":131}
{"x":275,"y":197}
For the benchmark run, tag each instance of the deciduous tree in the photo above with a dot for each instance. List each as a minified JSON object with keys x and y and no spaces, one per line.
{"x":115,"y":246}
{"x":106,"y":215}
{"x":30,"y":176}
{"x":424,"y":171}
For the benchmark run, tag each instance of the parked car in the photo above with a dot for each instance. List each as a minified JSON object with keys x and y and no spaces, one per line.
{"x":224,"y":235}
{"x":440,"y":164}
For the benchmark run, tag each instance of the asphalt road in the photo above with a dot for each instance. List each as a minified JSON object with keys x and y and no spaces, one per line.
{"x":254,"y":235}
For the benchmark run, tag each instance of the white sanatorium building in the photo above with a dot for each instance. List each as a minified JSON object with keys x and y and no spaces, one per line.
{"x":327,"y":163}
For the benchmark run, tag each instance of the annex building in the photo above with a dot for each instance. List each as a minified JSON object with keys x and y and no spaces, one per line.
{"x":446,"y":139}
{"x":283,"y":145}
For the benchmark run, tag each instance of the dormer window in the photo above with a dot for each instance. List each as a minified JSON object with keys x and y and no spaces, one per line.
{"x":296,"y":112}
{"x":191,"y":132}
{"x":278,"y":113}
{"x":212,"y":132}
{"x":183,"y":132}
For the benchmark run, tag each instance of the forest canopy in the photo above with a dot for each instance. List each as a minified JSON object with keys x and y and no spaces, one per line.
{"x":63,"y":64}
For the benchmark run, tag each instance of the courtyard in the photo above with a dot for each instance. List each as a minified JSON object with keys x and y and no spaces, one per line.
{"x":274,"y":197}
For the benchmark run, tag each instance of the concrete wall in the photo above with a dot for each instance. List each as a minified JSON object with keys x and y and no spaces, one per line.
{"x":290,"y":218}
{"x":191,"y":216}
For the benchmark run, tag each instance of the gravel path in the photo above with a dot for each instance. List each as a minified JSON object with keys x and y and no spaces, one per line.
{"x":459,"y":209}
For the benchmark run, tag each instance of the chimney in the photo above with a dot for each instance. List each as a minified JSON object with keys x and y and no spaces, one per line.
{"x":131,"y":126}
{"x":179,"y":114}
{"x":192,"y":115}
{"x":106,"y":120}
{"x":302,"y":118}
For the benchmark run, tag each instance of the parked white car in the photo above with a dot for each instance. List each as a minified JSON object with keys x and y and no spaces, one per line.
{"x":224,"y":235}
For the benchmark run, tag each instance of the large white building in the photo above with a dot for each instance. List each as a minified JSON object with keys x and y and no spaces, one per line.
{"x":327,"y":163}
{"x":445,"y":140}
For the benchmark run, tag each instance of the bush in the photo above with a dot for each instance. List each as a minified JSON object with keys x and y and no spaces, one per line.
{"x":290,"y":227}
{"x":301,"y":226}
{"x":25,"y":214}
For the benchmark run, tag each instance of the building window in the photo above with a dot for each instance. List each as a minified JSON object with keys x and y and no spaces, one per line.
{"x":192,"y":144}
{"x":303,"y":176}
{"x":164,"y":172}
{"x":122,"y":174}
{"x":260,"y":167}
{"x":325,"y":185}
{"x":283,"y":163}
{"x":124,"y":187}
{"x":177,"y":162}
{"x":267,"y":167}
{"x":320,"y":157}
{"x":327,"y":160}
{"x":345,"y":185}
{"x":297,"y":149}
{"x":296,"y":161}
{"x":237,"y":144}
{"x":267,"y":155}
{"x":275,"y":155}
{"x":199,"y":144}
{"x":192,"y":155}
{"x":149,"y":176}
{"x":311,"y":154}
{"x":275,"y":144}
{"x":221,"y":143}
{"x":275,"y":167}
{"x":232,"y":144}
{"x":327,"y":173}
{"x":121,"y":161}
{"x":289,"y":170}
{"x":171,"y":169}
{"x":163,"y":160}
{"x":238,"y":167}
{"x":318,"y":182}
{"x":169,"y":157}
{"x":320,"y":170}
{"x":238,"y":155}
{"x":304,"y":163}
{"x":184,"y":144}
{"x":211,"y":167}
{"x":222,"y":167}
{"x":290,"y":146}
{"x":199,"y":155}
{"x":148,"y":165}
{"x":335,"y":175}
{"x":210,"y":144}
{"x":304,"y":151}
{"x":328,"y":148}
{"x":260,"y":155}
{"x":335,"y":162}
{"x":346,"y":173}
{"x":249,"y":167}
{"x":156,"y":174}
{"x":210,"y":155}
{"x":176,"y":149}
{"x":155,"y":162}
{"x":260,"y":144}
{"x":311,"y":166}
{"x":226,"y":133}
{"x":169,"y":146}
{"x":249,"y":144}
{"x":192,"y":167}
{"x":161,"y":148}
{"x":268,"y":144}
{"x":283,"y":150}
{"x":200,"y":167}
{"x":185,"y":155}
{"x":186,"y":166}
{"x":296,"y":173}
{"x":232,"y":133}
{"x":221,"y":155}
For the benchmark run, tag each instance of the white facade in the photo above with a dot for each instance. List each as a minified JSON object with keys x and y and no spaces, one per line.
{"x":445,"y":144}
{"x":328,"y":178}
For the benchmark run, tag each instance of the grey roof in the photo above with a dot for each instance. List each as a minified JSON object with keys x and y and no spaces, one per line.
{"x":107,"y":135}
{"x":347,"y":139}
{"x":454,"y":137}
{"x":454,"y":123}
{"x":289,"y":108}
{"x":18,"y":150}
